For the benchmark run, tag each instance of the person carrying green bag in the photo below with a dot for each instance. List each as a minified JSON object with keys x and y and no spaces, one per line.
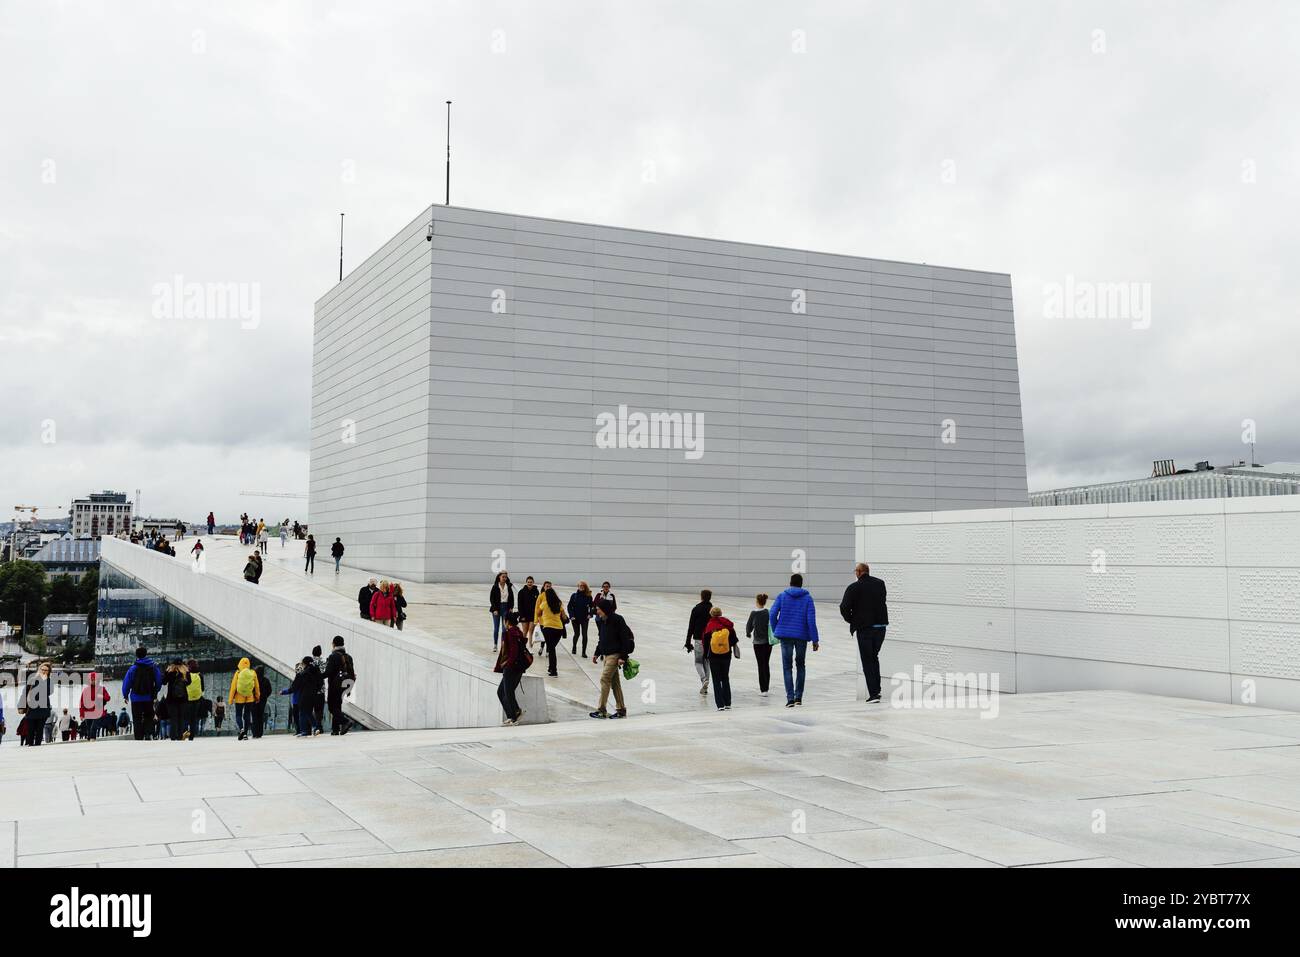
{"x":616,"y":645}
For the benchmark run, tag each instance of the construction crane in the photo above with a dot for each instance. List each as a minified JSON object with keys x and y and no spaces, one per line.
{"x":273,"y":494}
{"x":31,"y":520}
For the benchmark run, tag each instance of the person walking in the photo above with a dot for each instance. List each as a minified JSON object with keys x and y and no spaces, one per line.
{"x":177,"y":679}
{"x":863,"y":607}
{"x":512,"y":662}
{"x":611,"y":604}
{"x":695,"y":637}
{"x":757,"y":629}
{"x":526,"y":602}
{"x":381,"y":604}
{"x":51,"y":727}
{"x":284,"y":533}
{"x":580,"y":610}
{"x":123,"y":721}
{"x":399,"y":605}
{"x":139,"y":687}
{"x":366,"y":593}
{"x":318,"y":702}
{"x":551,"y":618}
{"x":194,"y":701}
{"x":501,"y":600}
{"x":212,"y":524}
{"x":263,"y":698}
{"x":309,"y":552}
{"x":341,"y":675}
{"x":720,"y":644}
{"x":794,"y":621}
{"x":336,"y":553}
{"x":90,"y":705}
{"x":306,"y":685}
{"x":261,"y":537}
{"x":218,"y":714}
{"x":245,"y":689}
{"x":616,"y":644}
{"x":64,"y":725}
{"x":196,"y":553}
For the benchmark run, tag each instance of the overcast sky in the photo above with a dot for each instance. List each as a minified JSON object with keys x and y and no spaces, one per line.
{"x":1069,"y":144}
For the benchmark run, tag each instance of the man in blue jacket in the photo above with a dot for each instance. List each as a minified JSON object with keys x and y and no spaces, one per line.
{"x":794,"y":622}
{"x":140,"y":687}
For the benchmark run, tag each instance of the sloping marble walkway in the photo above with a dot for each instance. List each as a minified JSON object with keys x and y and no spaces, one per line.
{"x":1093,"y":779}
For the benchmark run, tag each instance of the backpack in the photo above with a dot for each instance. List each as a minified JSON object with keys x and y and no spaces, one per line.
{"x":245,"y":682}
{"x":143,"y":683}
{"x":720,"y":641}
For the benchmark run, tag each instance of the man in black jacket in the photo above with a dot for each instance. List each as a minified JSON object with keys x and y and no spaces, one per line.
{"x":695,"y":638}
{"x":341,"y":675}
{"x":364,"y":596}
{"x":616,"y":643}
{"x":863,"y":607}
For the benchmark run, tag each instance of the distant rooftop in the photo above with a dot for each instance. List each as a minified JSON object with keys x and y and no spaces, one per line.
{"x":68,"y":550}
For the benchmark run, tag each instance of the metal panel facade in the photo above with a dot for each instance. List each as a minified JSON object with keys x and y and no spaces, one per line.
{"x":821,"y":382}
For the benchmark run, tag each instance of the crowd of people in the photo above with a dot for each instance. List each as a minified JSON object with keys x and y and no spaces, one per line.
{"x":381,"y":601}
{"x":169,"y":703}
{"x":533,"y":619}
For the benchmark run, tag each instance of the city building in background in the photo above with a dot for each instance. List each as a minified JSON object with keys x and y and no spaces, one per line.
{"x":68,"y":556}
{"x":579,"y":401}
{"x":64,"y":626}
{"x":100,"y":513}
{"x":161,"y":526}
{"x":1168,"y":484}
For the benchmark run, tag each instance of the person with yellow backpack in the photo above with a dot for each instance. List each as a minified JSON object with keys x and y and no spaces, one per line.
{"x":245,"y":692}
{"x":720,"y":644}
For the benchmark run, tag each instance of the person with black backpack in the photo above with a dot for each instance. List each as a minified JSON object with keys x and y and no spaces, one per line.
{"x":139,"y":687}
{"x":341,"y":675}
{"x":511,"y":664}
{"x":616,"y":645}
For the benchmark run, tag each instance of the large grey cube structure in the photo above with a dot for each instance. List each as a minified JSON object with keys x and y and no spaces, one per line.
{"x":460,"y":388}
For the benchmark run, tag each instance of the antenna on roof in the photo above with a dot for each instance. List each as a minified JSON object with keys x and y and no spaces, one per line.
{"x":447,"y":201}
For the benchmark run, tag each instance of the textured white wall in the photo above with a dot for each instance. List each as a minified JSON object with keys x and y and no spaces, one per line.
{"x":514,"y":333}
{"x":1197,"y":599}
{"x":402,"y":683}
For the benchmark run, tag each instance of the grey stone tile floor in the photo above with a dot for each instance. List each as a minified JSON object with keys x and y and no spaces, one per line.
{"x":1078,"y":779}
{"x":1138,"y":781}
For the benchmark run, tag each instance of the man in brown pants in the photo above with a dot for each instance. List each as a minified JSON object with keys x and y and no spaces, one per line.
{"x":616,"y":643}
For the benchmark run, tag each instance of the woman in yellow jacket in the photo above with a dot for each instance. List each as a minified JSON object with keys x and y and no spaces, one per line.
{"x":245,"y":691}
{"x":193,"y":701}
{"x":551,"y":616}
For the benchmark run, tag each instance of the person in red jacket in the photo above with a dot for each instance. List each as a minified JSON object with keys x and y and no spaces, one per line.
{"x":383,"y":608}
{"x":512,"y":662}
{"x":94,"y":698}
{"x":720,"y":644}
